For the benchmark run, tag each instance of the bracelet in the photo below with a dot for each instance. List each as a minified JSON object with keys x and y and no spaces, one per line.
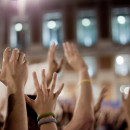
{"x":85,"y":80}
{"x":45,"y":115}
{"x":47,"y":121}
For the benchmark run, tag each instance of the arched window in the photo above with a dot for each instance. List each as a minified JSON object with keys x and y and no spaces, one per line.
{"x":87,"y":28}
{"x":52,"y":29}
{"x":19,"y":35}
{"x":122,"y":65}
{"x":121,"y":25}
{"x":92,"y":65}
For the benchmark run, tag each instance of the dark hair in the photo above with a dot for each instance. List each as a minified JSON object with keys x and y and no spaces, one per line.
{"x":32,"y":116}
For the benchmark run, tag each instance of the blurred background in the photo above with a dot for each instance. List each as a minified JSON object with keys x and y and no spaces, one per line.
{"x":100,"y":28}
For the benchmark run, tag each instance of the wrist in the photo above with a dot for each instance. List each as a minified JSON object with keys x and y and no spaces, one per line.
{"x":83,"y":70}
{"x":13,"y":89}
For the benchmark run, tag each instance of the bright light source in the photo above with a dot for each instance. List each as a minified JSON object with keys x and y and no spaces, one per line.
{"x":126,"y":90}
{"x":18,"y":27}
{"x":86,"y":22}
{"x":122,"y":87}
{"x":121,"y":19}
{"x":51,"y":24}
{"x":120,"y":60}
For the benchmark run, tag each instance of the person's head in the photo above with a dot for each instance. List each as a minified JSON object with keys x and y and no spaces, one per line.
{"x":32,"y":117}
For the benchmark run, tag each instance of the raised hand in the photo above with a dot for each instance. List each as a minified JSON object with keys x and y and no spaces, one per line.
{"x":100,"y":99}
{"x":14,"y":75}
{"x":53,"y":65}
{"x":83,"y":113}
{"x":73,"y":57}
{"x":126,"y":106}
{"x":46,"y":98}
{"x":126,"y":102}
{"x":14,"y":70}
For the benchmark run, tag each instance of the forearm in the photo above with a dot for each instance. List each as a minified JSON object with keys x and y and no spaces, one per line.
{"x":128,"y":119}
{"x":17,"y":116}
{"x":49,"y":126}
{"x":84,"y":105}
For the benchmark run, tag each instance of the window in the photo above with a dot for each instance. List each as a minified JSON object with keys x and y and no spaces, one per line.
{"x":19,"y":35}
{"x":52,"y":29}
{"x":122,"y":65}
{"x":92,"y":65}
{"x":121,"y":25}
{"x":86,"y":28}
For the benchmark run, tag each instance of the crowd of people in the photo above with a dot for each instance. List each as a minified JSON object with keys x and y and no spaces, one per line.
{"x":37,"y":112}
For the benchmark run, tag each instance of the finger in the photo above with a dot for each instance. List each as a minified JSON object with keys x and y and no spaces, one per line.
{"x":29,"y":100}
{"x":65,"y":50}
{"x":53,"y":83}
{"x":69,"y":49}
{"x":59,"y":90}
{"x":36,"y":83}
{"x":21,"y":57}
{"x":26,"y":63}
{"x":123,"y":97}
{"x":60,"y":65}
{"x":52,"y":52}
{"x":75,"y":50}
{"x":44,"y":84}
{"x":14,"y":55}
{"x":6,"y":54}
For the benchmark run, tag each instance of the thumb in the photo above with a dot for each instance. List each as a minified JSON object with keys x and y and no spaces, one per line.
{"x":29,"y":101}
{"x":60,"y":65}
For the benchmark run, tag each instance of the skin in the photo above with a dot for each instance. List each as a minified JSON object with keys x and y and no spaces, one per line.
{"x":46,"y":99}
{"x":83,"y":114}
{"x":1,"y":115}
{"x":53,"y":64}
{"x":100,"y":99}
{"x":126,"y":107}
{"x":14,"y":75}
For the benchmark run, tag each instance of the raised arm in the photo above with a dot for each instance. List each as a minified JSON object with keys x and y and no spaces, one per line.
{"x":126,"y":107}
{"x":83,"y":113}
{"x":14,"y":75}
{"x":52,"y":63}
{"x":100,"y":99}
{"x":45,"y":102}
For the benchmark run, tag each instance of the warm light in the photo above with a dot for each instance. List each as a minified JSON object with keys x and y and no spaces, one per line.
{"x":120,"y":60}
{"x":121,"y":19}
{"x":86,"y":22}
{"x":18,"y":27}
{"x":51,"y":24}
